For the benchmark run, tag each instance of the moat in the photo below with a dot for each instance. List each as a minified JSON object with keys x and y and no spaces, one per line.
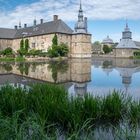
{"x":96,"y":76}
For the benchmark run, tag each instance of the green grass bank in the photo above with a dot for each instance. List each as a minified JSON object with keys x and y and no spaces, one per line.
{"x":43,"y":110}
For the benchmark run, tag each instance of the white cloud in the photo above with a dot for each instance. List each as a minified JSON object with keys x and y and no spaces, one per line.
{"x":67,"y":10}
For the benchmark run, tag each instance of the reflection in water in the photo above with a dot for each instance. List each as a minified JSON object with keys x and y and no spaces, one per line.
{"x":57,"y":67}
{"x":79,"y":76}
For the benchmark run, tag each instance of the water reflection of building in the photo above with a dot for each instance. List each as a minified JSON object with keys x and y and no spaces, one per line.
{"x":80,"y":88}
{"x":80,"y":75}
{"x":126,"y":74}
{"x":125,"y":67}
{"x":75,"y":72}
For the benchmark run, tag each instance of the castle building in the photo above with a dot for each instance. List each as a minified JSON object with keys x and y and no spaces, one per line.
{"x":108,"y":41}
{"x":40,"y":36}
{"x":127,"y":46}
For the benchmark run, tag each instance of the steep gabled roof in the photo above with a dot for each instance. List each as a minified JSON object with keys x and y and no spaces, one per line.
{"x":57,"y":26}
{"x":46,"y":28}
{"x":6,"y":33}
{"x":137,"y":43}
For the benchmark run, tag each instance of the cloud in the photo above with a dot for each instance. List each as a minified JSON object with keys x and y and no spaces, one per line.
{"x":67,"y":10}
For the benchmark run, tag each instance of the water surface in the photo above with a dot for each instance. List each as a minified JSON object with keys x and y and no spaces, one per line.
{"x":79,"y":76}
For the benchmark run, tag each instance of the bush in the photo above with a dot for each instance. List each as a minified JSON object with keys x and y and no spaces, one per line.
{"x":137,"y":53}
{"x":7,"y":51}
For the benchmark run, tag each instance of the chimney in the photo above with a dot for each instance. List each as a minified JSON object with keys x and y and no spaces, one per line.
{"x":25,"y":25}
{"x":16,"y":27}
{"x":35,"y":22}
{"x":41,"y":21}
{"x":55,"y":17}
{"x":19,"y":25}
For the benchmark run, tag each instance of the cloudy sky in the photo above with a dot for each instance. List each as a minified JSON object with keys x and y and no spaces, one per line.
{"x":106,"y":17}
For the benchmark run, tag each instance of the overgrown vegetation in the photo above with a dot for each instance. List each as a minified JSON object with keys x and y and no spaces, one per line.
{"x":56,"y":49}
{"x":40,"y":111}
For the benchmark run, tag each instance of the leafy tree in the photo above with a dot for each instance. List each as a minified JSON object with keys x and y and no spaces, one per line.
{"x":107,"y":49}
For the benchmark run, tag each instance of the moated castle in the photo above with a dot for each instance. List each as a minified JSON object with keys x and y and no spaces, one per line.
{"x":40,"y":36}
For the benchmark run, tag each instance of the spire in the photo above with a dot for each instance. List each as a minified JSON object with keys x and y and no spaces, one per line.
{"x":80,"y":5}
{"x":126,"y":27}
{"x":81,"y":25}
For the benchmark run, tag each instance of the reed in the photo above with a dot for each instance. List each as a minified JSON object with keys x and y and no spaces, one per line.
{"x":43,"y":109}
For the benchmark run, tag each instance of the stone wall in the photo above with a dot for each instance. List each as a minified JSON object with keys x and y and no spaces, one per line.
{"x":81,"y":46}
{"x":5,"y":43}
{"x":37,"y":42}
{"x":123,"y":52}
{"x":42,"y":42}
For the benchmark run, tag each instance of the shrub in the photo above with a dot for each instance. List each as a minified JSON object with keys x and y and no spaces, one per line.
{"x":137,"y":53}
{"x":7,"y":51}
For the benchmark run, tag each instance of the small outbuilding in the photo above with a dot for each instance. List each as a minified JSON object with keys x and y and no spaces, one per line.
{"x":127,"y":46}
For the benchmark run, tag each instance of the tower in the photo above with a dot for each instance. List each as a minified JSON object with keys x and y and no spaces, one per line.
{"x":81,"y":25}
{"x":81,"y":39}
{"x":126,"y":34}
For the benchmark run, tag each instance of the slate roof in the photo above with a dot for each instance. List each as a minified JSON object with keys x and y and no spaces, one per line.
{"x":6,"y":33}
{"x":137,"y":43}
{"x":127,"y":44}
{"x":57,"y":26}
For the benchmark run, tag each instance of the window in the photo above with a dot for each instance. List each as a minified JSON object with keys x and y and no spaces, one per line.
{"x":33,"y":45}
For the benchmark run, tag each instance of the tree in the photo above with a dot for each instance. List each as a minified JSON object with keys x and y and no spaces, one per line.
{"x":22,"y":45}
{"x":26,"y":45}
{"x":55,"y":40}
{"x":96,"y":47}
{"x":107,"y":49}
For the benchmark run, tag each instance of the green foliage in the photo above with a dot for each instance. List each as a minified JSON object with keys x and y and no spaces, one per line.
{"x":19,"y":59}
{"x":26,"y":45}
{"x":34,"y":52}
{"x":37,"y":112}
{"x":8,"y":51}
{"x":57,"y":50}
{"x":22,"y":45}
{"x":7,"y":59}
{"x":55,"y":40}
{"x":107,"y":49}
{"x":137,"y":53}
